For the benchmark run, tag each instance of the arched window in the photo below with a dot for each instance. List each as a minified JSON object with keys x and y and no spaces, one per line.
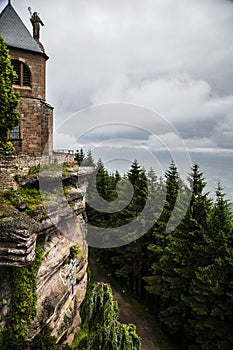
{"x":23,"y":73}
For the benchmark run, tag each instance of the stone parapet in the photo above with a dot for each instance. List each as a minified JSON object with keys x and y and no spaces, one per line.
{"x":15,"y":166}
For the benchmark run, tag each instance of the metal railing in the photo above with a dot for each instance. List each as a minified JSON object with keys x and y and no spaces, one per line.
{"x":64,"y":151}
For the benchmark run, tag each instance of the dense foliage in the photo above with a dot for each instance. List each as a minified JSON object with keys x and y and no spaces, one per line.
{"x":183,"y":274}
{"x":181,"y":269}
{"x":9,"y":116}
{"x":100,"y":328}
{"x":23,"y":306}
{"x":44,"y":340}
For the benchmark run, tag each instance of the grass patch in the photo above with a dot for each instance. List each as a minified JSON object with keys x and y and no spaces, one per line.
{"x":5,"y":210}
{"x":31,"y":196}
{"x":35,"y":169}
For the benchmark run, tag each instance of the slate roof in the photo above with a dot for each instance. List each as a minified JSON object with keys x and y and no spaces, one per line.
{"x":14,"y":32}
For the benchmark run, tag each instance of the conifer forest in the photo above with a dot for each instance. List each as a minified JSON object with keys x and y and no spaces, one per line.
{"x":182,"y":274}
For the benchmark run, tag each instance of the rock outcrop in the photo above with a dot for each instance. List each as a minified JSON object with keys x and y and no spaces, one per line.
{"x":18,"y":235}
{"x":57,"y":303}
{"x":62,"y":276}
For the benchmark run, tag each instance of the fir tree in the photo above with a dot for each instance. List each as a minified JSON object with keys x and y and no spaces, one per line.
{"x":79,"y":156}
{"x":211,"y":291}
{"x":88,"y":160}
{"x":177,"y":252}
{"x":161,"y":282}
{"x":138,"y":179}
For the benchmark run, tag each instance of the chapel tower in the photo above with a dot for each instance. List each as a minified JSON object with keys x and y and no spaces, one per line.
{"x":34,"y":136}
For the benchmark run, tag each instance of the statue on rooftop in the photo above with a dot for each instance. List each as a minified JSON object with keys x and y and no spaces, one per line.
{"x":36,"y":22}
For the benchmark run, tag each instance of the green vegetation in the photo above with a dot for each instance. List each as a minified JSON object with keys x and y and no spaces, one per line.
{"x":6,"y":148}
{"x":44,"y":340}
{"x":30,"y":196}
{"x":141,"y":308}
{"x":84,"y":160}
{"x":160,"y":336}
{"x":100,"y":328}
{"x":183,"y":274}
{"x":79,"y":156}
{"x":66,"y":190}
{"x":74,"y":250}
{"x":9,"y":116}
{"x":64,"y":168}
{"x":35,"y":169}
{"x":23,"y":306}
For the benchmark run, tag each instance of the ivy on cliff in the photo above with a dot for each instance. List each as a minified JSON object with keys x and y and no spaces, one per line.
{"x":44,"y":340}
{"x":23,"y":306}
{"x":100,"y":328}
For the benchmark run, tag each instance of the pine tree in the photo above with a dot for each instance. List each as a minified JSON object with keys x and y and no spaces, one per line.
{"x":177,"y":253}
{"x":102,"y":179}
{"x":79,"y":156}
{"x":163,"y":282}
{"x":127,"y":262}
{"x":189,"y":246}
{"x":88,"y":160}
{"x":138,"y":179}
{"x":117,"y":177}
{"x":9,"y":116}
{"x":152,"y":178}
{"x":185,"y":250}
{"x":211,"y":290}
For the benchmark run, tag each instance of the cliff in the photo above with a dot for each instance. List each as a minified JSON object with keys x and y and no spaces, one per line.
{"x":53,"y":223}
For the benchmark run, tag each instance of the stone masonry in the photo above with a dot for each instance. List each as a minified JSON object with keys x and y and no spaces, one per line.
{"x":12,"y":167}
{"x":35,"y":134}
{"x":36,"y":128}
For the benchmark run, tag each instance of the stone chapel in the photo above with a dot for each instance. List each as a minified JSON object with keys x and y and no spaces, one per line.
{"x":34,"y":136}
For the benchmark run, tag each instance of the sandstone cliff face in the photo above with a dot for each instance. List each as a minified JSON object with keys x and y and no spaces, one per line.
{"x":18,"y":235}
{"x":57,"y":304}
{"x":62,"y":276}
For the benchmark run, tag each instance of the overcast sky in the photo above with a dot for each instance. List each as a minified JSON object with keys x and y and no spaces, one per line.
{"x":174,"y":57}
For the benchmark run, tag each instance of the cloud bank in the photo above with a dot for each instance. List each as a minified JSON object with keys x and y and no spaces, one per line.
{"x":173,"y":57}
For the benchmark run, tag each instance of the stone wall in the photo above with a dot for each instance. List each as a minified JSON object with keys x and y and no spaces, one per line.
{"x":36,"y":62}
{"x":36,"y":127}
{"x":46,"y":128}
{"x":10,"y":167}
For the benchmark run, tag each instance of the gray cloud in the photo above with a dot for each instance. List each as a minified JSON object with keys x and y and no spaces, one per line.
{"x":172,"y":56}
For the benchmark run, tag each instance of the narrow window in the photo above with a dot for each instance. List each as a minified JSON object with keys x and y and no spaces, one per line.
{"x":26,"y":76}
{"x":23,"y":73}
{"x":15,"y":133}
{"x":16,"y":65}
